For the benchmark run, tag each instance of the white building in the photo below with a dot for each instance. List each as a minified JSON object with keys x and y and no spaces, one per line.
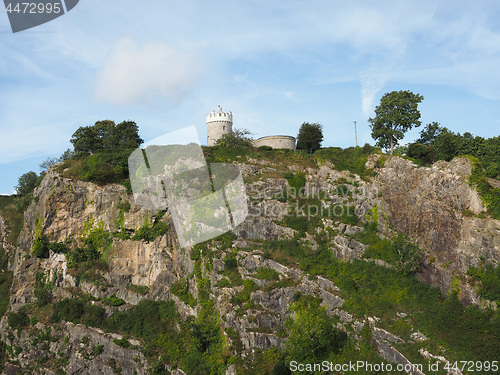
{"x":220,"y":123}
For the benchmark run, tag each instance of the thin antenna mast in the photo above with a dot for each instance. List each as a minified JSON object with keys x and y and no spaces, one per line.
{"x":356,"y":133}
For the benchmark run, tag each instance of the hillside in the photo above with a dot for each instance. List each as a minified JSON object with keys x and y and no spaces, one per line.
{"x":347,"y":255}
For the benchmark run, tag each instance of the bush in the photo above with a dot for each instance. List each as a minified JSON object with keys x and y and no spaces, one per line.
{"x":267,"y":274}
{"x":490,"y":281}
{"x":122,"y":343}
{"x":58,"y":248}
{"x":149,"y":232}
{"x":313,"y":333}
{"x":40,"y":247}
{"x":70,"y":310}
{"x":489,"y":194}
{"x":181,"y":289}
{"x":100,"y":168}
{"x":296,"y":181}
{"x":18,"y":320}
{"x":230,"y":264}
{"x":113,"y":301}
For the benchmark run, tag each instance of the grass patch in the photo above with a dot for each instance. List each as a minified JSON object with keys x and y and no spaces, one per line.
{"x":139,"y":289}
{"x":267,"y":274}
{"x":351,"y":159}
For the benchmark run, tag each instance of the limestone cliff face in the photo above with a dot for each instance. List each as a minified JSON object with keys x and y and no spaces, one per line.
{"x":427,"y":204}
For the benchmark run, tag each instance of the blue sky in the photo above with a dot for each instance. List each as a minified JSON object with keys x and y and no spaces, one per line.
{"x":275,"y":65}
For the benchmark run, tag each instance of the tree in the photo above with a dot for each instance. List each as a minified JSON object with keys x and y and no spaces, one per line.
{"x":124,"y":136}
{"x":48,"y":162}
{"x":106,"y":136}
{"x":86,"y":140}
{"x":310,"y":137}
{"x":397,"y":113}
{"x":429,"y":134}
{"x":26,"y":183}
{"x":447,"y":145}
{"x":238,"y":137}
{"x":313,"y":334}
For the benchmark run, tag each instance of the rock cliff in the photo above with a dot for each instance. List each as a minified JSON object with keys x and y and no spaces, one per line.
{"x":434,"y":206}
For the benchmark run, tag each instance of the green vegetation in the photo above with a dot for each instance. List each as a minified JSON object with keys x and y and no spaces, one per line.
{"x":139,"y":289}
{"x":78,"y":311}
{"x":370,"y":289}
{"x":265,"y":273}
{"x":124,"y":343}
{"x":394,"y":116}
{"x":96,"y":243}
{"x":403,"y":255}
{"x":113,"y":301}
{"x":350,"y":159}
{"x":312,"y":335}
{"x":238,"y":138}
{"x":42,"y":290}
{"x":5,"y":282}
{"x":148,"y":232}
{"x":310,"y":137}
{"x":27,"y":183}
{"x":106,"y":136}
{"x":436,"y":142}
{"x":489,"y":193}
{"x":181,"y":289}
{"x":100,"y":168}
{"x":12,"y":211}
{"x":296,"y":181}
{"x":18,"y":320}
{"x":489,"y":277}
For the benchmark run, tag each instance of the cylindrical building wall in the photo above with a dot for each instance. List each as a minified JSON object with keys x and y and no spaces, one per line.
{"x":276,"y":141}
{"x":218,"y":124}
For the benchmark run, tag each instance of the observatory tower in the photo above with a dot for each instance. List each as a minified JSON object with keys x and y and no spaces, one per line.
{"x":218,"y":124}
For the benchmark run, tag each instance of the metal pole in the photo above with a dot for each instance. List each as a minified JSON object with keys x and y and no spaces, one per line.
{"x":356,"y":133}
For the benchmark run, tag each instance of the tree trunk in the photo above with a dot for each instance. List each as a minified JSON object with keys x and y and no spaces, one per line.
{"x":391,"y":147}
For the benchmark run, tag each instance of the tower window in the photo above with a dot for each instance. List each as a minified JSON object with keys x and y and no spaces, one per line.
{"x":224,"y":127}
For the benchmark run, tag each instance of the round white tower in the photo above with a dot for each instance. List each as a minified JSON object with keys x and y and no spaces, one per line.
{"x":218,"y":124}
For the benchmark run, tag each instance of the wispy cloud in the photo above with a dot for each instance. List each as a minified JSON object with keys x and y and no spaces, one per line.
{"x":138,"y":74}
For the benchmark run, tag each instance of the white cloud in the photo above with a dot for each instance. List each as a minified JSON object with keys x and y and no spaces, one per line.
{"x":135,"y":74}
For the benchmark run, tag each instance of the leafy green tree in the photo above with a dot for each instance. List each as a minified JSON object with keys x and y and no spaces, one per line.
{"x":86,"y":140}
{"x":238,"y":137}
{"x":310,"y":137}
{"x":421,"y":152}
{"x":26,"y":183}
{"x":429,"y":133}
{"x":106,"y":136}
{"x":394,"y":116}
{"x":313,"y":335}
{"x":447,"y":145}
{"x":124,"y":136}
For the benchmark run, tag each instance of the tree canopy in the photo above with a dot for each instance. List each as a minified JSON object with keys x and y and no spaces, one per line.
{"x":106,"y":136}
{"x":310,"y":137}
{"x":26,"y":183}
{"x":238,"y":137}
{"x":394,"y":116}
